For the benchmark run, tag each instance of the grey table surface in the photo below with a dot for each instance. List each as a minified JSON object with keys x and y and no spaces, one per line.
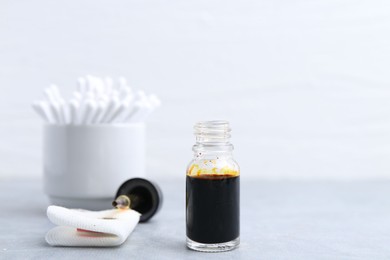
{"x":279,"y":220}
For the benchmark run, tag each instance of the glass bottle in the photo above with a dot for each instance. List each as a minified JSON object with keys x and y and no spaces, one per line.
{"x":213,"y":190}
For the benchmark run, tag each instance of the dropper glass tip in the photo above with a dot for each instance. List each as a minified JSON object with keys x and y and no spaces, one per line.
{"x":122,"y":202}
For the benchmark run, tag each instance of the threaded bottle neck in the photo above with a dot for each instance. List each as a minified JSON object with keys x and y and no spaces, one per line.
{"x":212,"y":136}
{"x":207,"y":132}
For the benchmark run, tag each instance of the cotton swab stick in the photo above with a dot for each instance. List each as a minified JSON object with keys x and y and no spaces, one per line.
{"x":86,"y":95}
{"x":129,"y":101}
{"x":54,"y":106}
{"x":138,"y":105}
{"x":81,"y":112}
{"x":40,"y":111}
{"x":113,"y":112}
{"x":74,"y":108}
{"x":100,"y":107}
{"x":84,"y":111}
{"x":65,"y":112}
{"x":90,"y":111}
{"x":55,"y":111}
{"x":61,"y":114}
{"x":123,"y":107}
{"x":57,"y":98}
{"x":46,"y":108}
{"x":111,"y":109}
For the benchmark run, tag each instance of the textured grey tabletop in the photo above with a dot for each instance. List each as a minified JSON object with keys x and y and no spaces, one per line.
{"x":279,"y":220}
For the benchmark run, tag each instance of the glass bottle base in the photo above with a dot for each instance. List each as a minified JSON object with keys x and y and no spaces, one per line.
{"x":220,"y":247}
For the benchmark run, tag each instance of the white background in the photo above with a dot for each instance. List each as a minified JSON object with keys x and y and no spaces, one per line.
{"x":305,"y":84}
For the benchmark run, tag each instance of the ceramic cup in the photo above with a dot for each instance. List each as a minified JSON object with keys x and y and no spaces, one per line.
{"x":85,"y":165}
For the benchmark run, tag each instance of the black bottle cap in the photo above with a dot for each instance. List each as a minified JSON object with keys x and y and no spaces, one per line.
{"x":145,"y":196}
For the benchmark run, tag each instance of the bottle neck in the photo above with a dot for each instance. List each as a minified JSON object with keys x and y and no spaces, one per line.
{"x":212,"y":139}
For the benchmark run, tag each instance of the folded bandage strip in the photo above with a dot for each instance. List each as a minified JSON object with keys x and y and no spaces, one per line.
{"x":90,"y":228}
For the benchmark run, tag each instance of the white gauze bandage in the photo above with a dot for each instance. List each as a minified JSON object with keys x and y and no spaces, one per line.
{"x":78,"y":227}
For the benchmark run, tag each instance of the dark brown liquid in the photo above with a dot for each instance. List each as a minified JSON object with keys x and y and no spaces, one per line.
{"x":213,"y":208}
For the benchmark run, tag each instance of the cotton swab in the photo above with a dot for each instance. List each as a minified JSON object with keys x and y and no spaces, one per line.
{"x":113,"y":106}
{"x":57,"y":98}
{"x":84,"y":110}
{"x":100,"y":107}
{"x":74,"y":107}
{"x":65,"y":112}
{"x":135,"y":110}
{"x":96,"y":101}
{"x":55,"y":111}
{"x":90,"y":111}
{"x":123,"y":107}
{"x":141,"y":107}
{"x":53,"y":105}
{"x":40,"y":111}
{"x":46,"y":108}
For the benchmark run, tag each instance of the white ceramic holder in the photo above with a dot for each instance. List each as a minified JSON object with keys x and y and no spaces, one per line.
{"x":85,"y":164}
